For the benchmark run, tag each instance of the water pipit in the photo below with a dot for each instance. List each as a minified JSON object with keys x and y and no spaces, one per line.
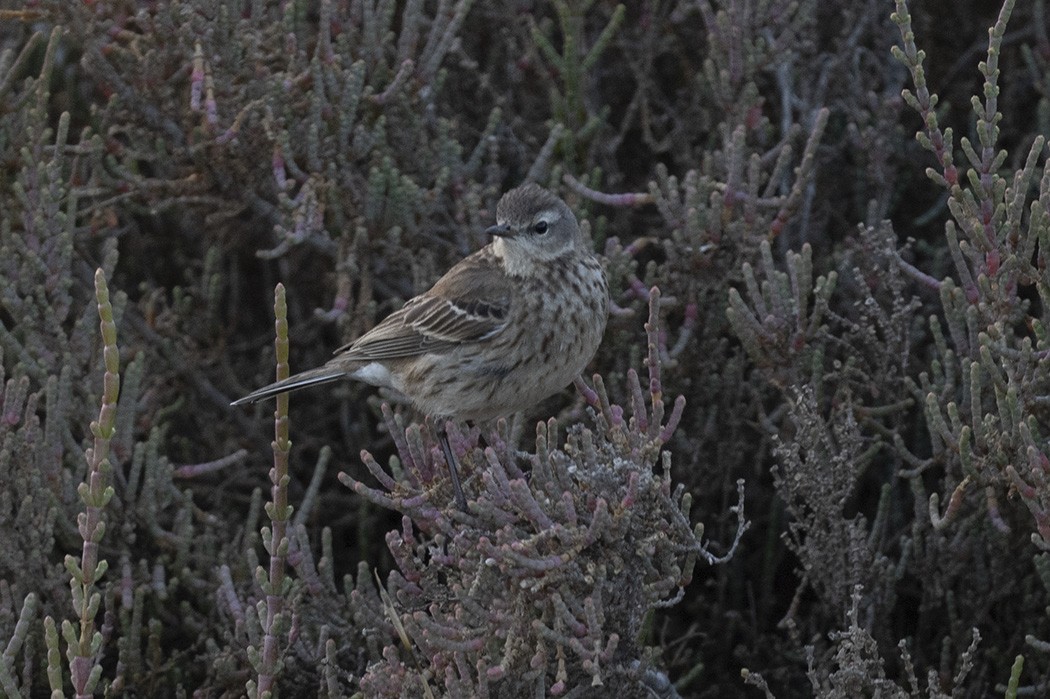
{"x":505,"y":328}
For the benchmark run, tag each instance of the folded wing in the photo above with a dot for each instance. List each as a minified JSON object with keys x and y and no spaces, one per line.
{"x":469,"y":304}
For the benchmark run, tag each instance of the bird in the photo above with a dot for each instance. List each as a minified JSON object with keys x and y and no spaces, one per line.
{"x":506,"y":327}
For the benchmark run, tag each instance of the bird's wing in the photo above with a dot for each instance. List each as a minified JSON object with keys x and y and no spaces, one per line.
{"x":470,"y":303}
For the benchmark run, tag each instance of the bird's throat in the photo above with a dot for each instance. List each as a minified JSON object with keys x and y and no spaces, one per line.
{"x":516,"y":262}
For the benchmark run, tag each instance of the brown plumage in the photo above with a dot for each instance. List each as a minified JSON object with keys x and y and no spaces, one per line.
{"x":506,"y":327}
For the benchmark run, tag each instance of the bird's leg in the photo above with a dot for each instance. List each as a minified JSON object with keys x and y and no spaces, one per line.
{"x":453,"y":465}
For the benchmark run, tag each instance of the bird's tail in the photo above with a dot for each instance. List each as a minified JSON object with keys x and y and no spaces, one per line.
{"x":314,"y":377}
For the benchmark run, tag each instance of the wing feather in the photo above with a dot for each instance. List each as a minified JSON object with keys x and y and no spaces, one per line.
{"x":471,"y":303}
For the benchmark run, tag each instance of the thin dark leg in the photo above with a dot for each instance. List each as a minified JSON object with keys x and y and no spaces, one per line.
{"x":453,"y":467}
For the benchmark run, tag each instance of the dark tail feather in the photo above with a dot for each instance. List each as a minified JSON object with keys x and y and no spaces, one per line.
{"x":314,"y":377}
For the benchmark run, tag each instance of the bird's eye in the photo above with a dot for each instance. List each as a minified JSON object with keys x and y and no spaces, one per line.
{"x":540,"y":228}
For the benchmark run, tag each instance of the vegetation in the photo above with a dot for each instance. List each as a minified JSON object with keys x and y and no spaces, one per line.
{"x":812,"y":456}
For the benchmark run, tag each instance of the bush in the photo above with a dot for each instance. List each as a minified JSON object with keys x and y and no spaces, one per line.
{"x":854,"y":350}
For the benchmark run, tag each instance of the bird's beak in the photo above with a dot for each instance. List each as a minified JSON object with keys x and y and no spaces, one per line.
{"x":500,"y":230}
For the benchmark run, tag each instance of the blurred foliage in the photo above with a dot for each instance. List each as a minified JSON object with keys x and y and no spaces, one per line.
{"x":856,"y":318}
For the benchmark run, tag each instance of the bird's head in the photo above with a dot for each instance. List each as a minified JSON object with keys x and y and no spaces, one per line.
{"x":533,"y":226}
